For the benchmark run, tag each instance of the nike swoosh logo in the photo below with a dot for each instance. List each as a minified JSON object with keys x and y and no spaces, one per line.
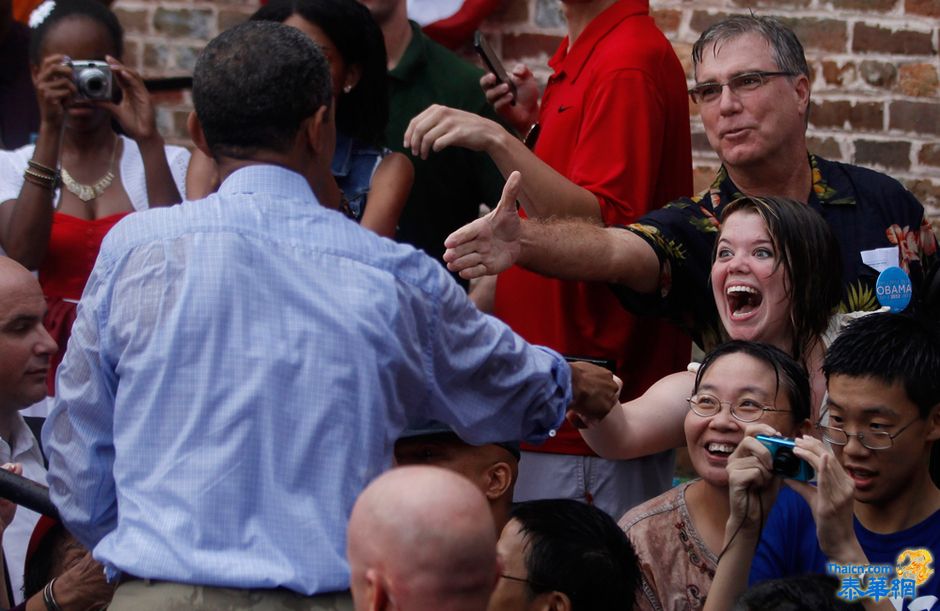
{"x":563,"y":108}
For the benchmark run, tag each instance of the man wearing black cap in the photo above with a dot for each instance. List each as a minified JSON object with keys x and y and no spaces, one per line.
{"x":492,"y":467}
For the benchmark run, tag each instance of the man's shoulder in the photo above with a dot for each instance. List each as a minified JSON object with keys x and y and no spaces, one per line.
{"x":864,"y":181}
{"x":455,"y":80}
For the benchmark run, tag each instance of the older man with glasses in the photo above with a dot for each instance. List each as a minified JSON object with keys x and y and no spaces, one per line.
{"x":753,"y":93}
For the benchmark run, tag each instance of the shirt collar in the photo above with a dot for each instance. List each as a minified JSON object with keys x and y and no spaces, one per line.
{"x":23,"y":442}
{"x":822,"y":192}
{"x":269,"y":179}
{"x":572,"y":61}
{"x":342,"y":156}
{"x":415,"y":55}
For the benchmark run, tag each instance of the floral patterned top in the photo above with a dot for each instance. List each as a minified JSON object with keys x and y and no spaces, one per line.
{"x":864,"y":208}
{"x":676,"y":566}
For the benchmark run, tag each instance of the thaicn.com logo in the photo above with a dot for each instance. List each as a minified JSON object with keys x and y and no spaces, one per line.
{"x":897,"y":583}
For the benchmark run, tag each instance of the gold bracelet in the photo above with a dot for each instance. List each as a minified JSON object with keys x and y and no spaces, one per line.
{"x":41,"y":180}
{"x":42,"y":168}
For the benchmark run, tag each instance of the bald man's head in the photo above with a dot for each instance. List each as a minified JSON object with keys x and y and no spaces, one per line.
{"x":422,"y":538}
{"x":25,"y":346}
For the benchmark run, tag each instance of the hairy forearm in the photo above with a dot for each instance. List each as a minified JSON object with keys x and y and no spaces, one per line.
{"x":545,"y":193}
{"x":578,"y":250}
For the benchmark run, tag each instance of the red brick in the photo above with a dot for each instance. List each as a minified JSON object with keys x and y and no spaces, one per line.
{"x":700,"y":143}
{"x":511,"y":11}
{"x":133,"y":21}
{"x":878,"y":74}
{"x":167,"y":98}
{"x":667,"y":20}
{"x":132,"y":54}
{"x":230,"y":18}
{"x":874,"y":39}
{"x":930,"y":8}
{"x":773,"y":4}
{"x":928,"y":193}
{"x":882,"y":6}
{"x":929,"y":154}
{"x":916,"y":117}
{"x":893,"y":155}
{"x":183,"y":23}
{"x":834,"y":74}
{"x":918,"y":80}
{"x":156,"y":59}
{"x":819,"y":34}
{"x":701,"y":20}
{"x":825,"y":147}
{"x":830,"y":113}
{"x":519,"y":46}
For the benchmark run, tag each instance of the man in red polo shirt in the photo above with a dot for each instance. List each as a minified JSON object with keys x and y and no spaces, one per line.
{"x":613,"y":143}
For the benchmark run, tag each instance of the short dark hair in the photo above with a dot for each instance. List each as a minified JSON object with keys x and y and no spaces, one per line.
{"x":802,"y":593}
{"x":787,"y":50}
{"x":255,"y":84}
{"x":578,"y":550}
{"x":74,"y":9}
{"x":790,"y":375}
{"x":363,"y":112}
{"x":891,"y":348}
{"x":809,"y":253}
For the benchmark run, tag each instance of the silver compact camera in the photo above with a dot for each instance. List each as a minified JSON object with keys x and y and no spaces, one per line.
{"x":93,"y":79}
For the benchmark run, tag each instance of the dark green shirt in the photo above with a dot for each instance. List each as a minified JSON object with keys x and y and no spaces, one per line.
{"x":450,"y":185}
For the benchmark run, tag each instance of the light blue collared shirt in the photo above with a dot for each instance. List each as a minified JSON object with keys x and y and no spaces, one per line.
{"x":239,"y":370}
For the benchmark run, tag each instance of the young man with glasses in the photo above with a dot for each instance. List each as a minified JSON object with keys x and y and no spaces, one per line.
{"x":874,"y":499}
{"x":753,"y":94}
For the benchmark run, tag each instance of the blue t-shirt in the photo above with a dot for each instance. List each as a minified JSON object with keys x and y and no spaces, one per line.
{"x":788,"y":544}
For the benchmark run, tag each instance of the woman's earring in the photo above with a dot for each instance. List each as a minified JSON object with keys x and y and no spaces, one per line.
{"x":347,"y":88}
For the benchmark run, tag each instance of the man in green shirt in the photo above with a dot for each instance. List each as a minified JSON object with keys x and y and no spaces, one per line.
{"x":450,"y":185}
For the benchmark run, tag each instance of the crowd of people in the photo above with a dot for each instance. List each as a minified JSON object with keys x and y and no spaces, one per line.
{"x":289,"y":368}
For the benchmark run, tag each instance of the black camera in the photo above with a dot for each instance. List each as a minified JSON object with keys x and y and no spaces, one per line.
{"x":785,"y":462}
{"x":93,"y":79}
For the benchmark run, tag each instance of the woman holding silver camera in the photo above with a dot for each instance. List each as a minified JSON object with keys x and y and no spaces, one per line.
{"x":60,"y":197}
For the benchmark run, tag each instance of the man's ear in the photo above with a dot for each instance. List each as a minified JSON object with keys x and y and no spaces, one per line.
{"x":376,"y":594}
{"x":321,"y":132}
{"x":194,"y":127}
{"x":555,"y":601}
{"x":933,"y":423}
{"x":802,"y":91}
{"x":498,"y":480}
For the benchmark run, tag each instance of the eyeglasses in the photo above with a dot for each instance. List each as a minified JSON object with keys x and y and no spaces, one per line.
{"x":744,"y":409}
{"x":534,"y":585}
{"x":873,"y":440}
{"x":706,"y":93}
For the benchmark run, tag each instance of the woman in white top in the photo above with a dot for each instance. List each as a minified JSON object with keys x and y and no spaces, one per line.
{"x":59,"y":197}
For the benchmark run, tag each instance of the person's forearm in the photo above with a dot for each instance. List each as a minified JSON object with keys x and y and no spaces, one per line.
{"x":575,"y":250}
{"x":545,"y":193}
{"x":161,"y":188}
{"x":28,"y":220}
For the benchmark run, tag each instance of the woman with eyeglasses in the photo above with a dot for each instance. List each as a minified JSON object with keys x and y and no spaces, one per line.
{"x":678,"y":535}
{"x":775,"y":279}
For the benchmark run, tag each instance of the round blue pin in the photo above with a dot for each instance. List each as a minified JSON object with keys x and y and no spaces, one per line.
{"x":893,"y":289}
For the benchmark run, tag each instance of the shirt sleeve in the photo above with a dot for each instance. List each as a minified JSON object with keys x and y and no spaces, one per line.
{"x":619,"y":145}
{"x":12,"y":166}
{"x":682,"y":234}
{"x":487,"y":382}
{"x":77,"y":436}
{"x":785,"y":531}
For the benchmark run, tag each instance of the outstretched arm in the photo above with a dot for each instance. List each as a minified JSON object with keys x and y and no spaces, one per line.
{"x":649,"y":424}
{"x":388,"y":193}
{"x":566,"y":249}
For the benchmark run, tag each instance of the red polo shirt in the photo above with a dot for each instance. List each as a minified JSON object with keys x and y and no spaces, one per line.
{"x":614,"y":119}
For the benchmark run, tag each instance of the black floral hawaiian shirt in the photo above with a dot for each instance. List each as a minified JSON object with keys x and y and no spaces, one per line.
{"x":864,"y":208}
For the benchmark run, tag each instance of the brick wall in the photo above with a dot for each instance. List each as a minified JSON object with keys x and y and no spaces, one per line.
{"x":875,"y":63}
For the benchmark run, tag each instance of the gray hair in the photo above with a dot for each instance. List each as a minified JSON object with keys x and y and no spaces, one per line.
{"x":787,"y":50}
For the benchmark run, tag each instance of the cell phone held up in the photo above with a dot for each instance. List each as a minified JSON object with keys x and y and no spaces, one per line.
{"x":785,"y":462}
{"x":486,"y":53}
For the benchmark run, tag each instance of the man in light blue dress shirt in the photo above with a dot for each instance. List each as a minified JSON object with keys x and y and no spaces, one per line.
{"x":241,"y":366}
